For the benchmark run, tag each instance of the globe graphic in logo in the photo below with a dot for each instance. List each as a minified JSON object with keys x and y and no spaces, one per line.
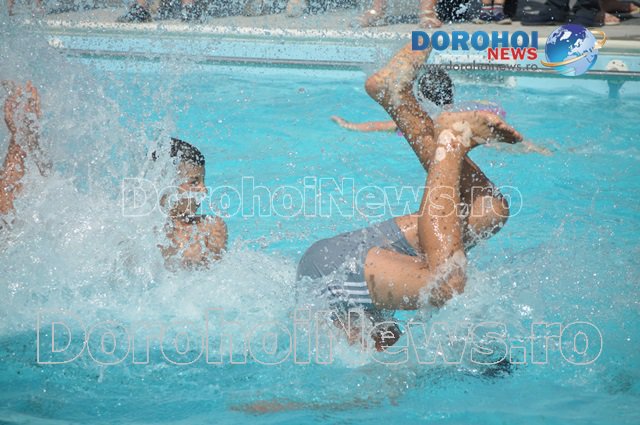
{"x":572,"y":49}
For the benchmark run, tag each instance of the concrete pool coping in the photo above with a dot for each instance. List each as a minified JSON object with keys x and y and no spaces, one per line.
{"x":322,"y":40}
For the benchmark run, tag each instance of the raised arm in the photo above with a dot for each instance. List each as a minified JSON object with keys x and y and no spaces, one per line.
{"x":21,"y":115}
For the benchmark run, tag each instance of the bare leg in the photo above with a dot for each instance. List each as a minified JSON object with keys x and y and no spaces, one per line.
{"x":439,"y":225}
{"x":427,"y":14}
{"x":375,"y":15}
{"x":396,"y":281}
{"x":253,"y":8}
{"x":296,"y":8}
{"x":392,"y":88}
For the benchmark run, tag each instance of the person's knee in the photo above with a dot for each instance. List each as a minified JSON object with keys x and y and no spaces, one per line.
{"x":488,"y":214}
{"x":372,"y":86}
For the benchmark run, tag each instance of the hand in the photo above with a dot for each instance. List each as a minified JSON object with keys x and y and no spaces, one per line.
{"x":12,"y":105}
{"x":338,"y":120}
{"x":33,"y":102}
{"x":483,"y":125}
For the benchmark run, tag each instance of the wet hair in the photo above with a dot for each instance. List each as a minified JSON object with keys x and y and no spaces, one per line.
{"x":436,"y":86}
{"x":184,"y":152}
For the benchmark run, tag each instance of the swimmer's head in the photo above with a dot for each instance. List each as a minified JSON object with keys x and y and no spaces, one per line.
{"x":436,"y":86}
{"x":185,"y":152}
{"x":189,"y":179}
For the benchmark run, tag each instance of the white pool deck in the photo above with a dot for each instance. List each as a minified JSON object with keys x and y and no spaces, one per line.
{"x":325,"y":39}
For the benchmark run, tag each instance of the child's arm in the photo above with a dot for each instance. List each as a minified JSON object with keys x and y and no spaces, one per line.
{"x":368,"y":126}
{"x":13,"y":167}
{"x":26,"y":133}
{"x":10,"y":175}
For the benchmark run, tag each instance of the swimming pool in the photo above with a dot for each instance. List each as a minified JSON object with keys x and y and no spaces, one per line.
{"x":569,"y":253}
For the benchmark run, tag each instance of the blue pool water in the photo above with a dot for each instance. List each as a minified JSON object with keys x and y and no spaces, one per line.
{"x":569,"y":254}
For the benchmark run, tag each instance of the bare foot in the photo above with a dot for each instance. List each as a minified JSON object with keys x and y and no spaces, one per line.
{"x":473,"y":128}
{"x":610,"y":19}
{"x":397,"y":75}
{"x":339,"y":120}
{"x":372,"y":18}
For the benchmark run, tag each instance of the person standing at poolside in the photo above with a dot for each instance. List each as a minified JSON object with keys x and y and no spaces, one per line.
{"x":492,"y":11}
{"x":377,"y":14}
{"x":185,"y":10}
{"x":11,"y":3}
{"x":396,"y":264}
{"x":193,"y":240}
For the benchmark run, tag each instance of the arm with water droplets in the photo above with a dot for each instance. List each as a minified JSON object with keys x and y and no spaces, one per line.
{"x":21,"y":115}
{"x":367,"y":126}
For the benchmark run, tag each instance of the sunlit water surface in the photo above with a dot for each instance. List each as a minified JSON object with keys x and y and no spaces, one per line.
{"x":569,"y":253}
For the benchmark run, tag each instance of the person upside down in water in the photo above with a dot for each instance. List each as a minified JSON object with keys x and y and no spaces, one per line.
{"x":193,"y":240}
{"x":434,"y":86}
{"x":407,"y":261}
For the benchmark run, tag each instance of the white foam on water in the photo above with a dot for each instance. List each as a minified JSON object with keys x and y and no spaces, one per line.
{"x":71,"y":248}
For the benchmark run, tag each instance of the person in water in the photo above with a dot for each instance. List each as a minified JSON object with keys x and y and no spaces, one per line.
{"x":419,"y":259}
{"x":436,"y":87}
{"x":21,"y":116}
{"x":193,"y":240}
